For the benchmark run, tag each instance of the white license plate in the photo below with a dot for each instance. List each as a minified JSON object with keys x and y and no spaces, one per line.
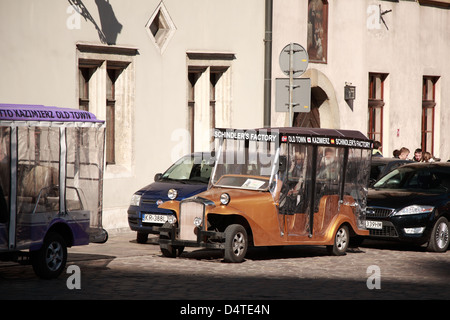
{"x":374,"y":224}
{"x":154,"y":218}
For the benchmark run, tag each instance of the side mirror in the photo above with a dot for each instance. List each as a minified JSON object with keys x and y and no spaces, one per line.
{"x":158,"y":176}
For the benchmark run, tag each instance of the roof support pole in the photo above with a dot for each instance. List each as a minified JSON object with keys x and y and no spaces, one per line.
{"x":268,"y":63}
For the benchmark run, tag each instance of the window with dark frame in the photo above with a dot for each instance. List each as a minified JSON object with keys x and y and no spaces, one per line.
{"x":194,"y":73}
{"x":375,"y":106}
{"x":106,"y":83}
{"x":208,"y":94}
{"x":83,"y":78}
{"x":428,"y":110}
{"x":87,"y":68}
{"x":112,"y":74}
{"x":214,"y":76}
{"x":161,"y":27}
{"x":192,"y":79}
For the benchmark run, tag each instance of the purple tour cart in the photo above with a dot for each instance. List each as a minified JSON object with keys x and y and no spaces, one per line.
{"x":51,"y":180}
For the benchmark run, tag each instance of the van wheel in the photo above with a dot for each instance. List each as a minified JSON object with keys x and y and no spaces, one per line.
{"x":49,"y":261}
{"x":236,"y":243}
{"x":341,"y":241}
{"x":439,"y":240}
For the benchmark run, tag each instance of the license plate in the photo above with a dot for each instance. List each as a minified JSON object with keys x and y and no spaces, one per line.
{"x":374,"y":224}
{"x":154,"y":218}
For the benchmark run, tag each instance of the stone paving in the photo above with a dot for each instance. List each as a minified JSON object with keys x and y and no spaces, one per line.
{"x":123,"y":269}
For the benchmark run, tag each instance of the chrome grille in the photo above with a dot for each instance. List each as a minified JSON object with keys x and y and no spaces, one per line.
{"x":188,"y":211}
{"x":375,"y":212}
{"x":387,"y":231}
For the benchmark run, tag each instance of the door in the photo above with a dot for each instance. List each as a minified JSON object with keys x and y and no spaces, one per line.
{"x":37,"y":181}
{"x":297,"y":190}
{"x":311,"y":119}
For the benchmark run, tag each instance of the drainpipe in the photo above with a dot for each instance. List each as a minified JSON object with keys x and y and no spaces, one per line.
{"x":268,"y":63}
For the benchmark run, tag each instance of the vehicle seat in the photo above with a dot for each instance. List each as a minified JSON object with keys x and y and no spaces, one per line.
{"x":35,"y":181}
{"x":38,"y":178}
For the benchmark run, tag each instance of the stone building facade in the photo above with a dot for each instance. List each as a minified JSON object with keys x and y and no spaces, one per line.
{"x":162,"y":73}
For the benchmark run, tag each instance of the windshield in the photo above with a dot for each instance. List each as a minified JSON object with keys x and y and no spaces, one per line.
{"x":192,"y":168}
{"x":423,"y":179}
{"x":245,"y":164}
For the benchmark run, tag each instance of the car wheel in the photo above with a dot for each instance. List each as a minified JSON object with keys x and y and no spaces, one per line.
{"x":49,"y":261}
{"x":170,"y":251}
{"x":341,"y":241}
{"x":236,"y":243}
{"x":439,"y":236}
{"x":141,"y":237}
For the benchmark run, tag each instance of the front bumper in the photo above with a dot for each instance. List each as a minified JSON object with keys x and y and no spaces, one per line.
{"x":135,"y":221}
{"x":407,"y":228}
{"x":206,"y":239}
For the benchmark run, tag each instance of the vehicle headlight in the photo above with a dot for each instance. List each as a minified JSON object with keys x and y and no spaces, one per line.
{"x":171,"y":219}
{"x":414,"y":209}
{"x":172,"y":194}
{"x":197,"y":222}
{"x":419,"y":230}
{"x":224,"y":198}
{"x":135,"y":200}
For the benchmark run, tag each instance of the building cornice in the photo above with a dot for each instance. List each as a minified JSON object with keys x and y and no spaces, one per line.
{"x":106,"y":49}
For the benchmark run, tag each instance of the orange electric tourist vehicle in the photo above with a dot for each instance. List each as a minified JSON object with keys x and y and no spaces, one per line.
{"x":275,"y":187}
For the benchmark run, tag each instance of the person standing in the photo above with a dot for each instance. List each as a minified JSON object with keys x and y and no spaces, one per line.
{"x":417,"y":155}
{"x":376,"y":151}
{"x":396,"y":153}
{"x":427,"y":157}
{"x":404,"y":153}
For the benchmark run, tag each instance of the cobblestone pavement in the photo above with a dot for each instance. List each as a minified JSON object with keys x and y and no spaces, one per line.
{"x":123,"y":269}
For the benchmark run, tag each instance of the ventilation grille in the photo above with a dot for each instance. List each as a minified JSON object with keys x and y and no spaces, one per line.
{"x":188,"y":212}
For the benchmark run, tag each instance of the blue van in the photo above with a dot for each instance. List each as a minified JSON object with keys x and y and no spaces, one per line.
{"x":185,"y":178}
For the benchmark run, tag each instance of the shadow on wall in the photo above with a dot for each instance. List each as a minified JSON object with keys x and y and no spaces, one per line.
{"x":110,"y":26}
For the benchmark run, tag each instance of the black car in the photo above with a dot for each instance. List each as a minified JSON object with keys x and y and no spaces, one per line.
{"x":381,"y":166}
{"x":412,"y":203}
